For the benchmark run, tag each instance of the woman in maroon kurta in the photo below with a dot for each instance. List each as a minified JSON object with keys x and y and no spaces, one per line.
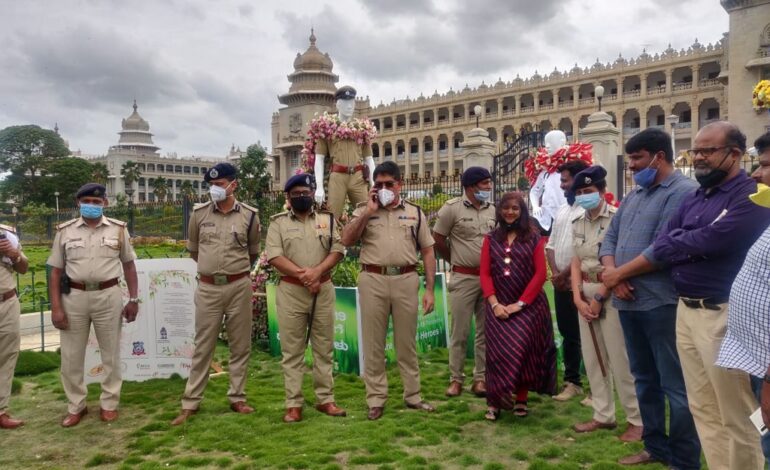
{"x":521,"y":355}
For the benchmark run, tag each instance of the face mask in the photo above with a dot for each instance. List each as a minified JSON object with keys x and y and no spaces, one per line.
{"x":646,"y":177}
{"x":218,"y":194}
{"x":762,"y":196}
{"x":588,"y":201}
{"x":301,"y":204}
{"x":386,"y":196}
{"x":482,"y":196}
{"x":90,"y":211}
{"x":509,"y":227}
{"x":713,"y":177}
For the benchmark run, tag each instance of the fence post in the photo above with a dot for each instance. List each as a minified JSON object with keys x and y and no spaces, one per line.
{"x":621,"y":177}
{"x":42,"y":326}
{"x":49,"y":226}
{"x":186,"y":203}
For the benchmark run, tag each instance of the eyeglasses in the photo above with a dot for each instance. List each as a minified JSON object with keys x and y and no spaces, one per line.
{"x":300,"y":194}
{"x":706,"y":151}
{"x":386,"y":184}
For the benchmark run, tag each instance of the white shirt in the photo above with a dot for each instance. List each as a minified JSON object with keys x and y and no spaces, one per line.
{"x":560,"y":240}
{"x":547,"y":194}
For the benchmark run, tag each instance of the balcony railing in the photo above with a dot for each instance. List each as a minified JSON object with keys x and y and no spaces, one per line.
{"x":709,"y":82}
{"x":683,"y":125}
{"x":567,"y":104}
{"x":682,"y":86}
{"x":546,"y":107}
{"x":426,"y":125}
{"x":658,"y":90}
{"x":632,"y":93}
{"x":508,"y":112}
{"x":400,"y":128}
{"x":527,"y":109}
{"x":629,"y":131}
{"x":613,"y":97}
{"x":584,"y":101}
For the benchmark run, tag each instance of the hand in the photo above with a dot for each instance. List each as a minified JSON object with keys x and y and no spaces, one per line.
{"x":624,"y":291}
{"x":7,"y":249}
{"x":320,"y":194}
{"x":561,"y":281}
{"x":373,"y":203}
{"x":596,"y":308}
{"x":314,"y":288}
{"x":309,"y":276}
{"x":500,"y":312}
{"x":428,"y":302}
{"x":584,"y":310}
{"x":765,"y":403}
{"x":611,"y":277}
{"x":59,"y":319}
{"x":130,"y":311}
{"x":512,"y":309}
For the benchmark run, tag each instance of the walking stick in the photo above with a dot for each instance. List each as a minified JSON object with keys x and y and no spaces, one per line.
{"x":596,"y":346}
{"x":310,"y":320}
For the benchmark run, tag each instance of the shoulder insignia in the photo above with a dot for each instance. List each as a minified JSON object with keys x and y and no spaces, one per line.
{"x":278,"y":215}
{"x":252,"y":209}
{"x":361,"y":204}
{"x":65,"y":224}
{"x":407,"y":201}
{"x":454,"y":200}
{"x":7,"y":228}
{"x":117,"y":222}
{"x":201,"y":205}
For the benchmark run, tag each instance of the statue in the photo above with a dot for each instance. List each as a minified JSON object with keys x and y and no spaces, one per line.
{"x":339,"y":152}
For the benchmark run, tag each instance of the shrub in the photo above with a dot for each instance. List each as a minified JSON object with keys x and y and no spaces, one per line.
{"x":34,"y":362}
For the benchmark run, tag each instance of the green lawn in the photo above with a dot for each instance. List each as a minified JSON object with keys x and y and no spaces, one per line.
{"x":454,"y":437}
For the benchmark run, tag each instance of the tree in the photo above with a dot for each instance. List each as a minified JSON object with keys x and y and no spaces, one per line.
{"x":186,"y":190}
{"x":64,"y":176}
{"x":25,"y":151}
{"x":160,"y":188}
{"x":253,"y":175}
{"x":99,"y":173}
{"x":130,"y":173}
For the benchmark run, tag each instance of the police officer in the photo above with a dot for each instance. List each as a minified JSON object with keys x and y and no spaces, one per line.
{"x":224,"y":240}
{"x":392,"y":232}
{"x":88,"y":253}
{"x":12,"y":260}
{"x":304,"y":245}
{"x":463,"y":222}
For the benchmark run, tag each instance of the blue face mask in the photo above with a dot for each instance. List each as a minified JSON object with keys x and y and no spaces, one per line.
{"x":646,"y":177}
{"x":482,"y":196}
{"x":588,"y":201}
{"x":90,"y":211}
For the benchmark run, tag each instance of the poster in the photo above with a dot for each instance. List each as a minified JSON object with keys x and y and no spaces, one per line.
{"x":160,"y":342}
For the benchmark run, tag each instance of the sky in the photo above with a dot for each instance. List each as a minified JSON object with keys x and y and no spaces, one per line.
{"x":206,"y":74}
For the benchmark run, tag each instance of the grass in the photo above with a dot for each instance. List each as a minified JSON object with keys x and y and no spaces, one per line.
{"x":455,"y":437}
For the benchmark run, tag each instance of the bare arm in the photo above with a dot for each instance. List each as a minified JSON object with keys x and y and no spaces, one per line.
{"x":441,"y":246}
{"x":132,"y":280}
{"x":551,"y":258}
{"x":429,"y":263}
{"x":286,"y":266}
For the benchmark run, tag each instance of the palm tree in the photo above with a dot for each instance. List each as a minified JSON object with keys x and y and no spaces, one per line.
{"x":130,"y":172}
{"x":100,"y":173}
{"x":160,"y":188}
{"x":186,"y":190}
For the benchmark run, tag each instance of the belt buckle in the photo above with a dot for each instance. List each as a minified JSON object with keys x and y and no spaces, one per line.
{"x":351,"y":169}
{"x":392,"y":270}
{"x":91,"y":285}
{"x":220,"y":279}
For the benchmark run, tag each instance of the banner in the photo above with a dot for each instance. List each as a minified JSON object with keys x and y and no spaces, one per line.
{"x":160,"y":342}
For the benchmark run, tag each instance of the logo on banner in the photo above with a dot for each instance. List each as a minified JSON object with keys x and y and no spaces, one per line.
{"x":138,"y":349}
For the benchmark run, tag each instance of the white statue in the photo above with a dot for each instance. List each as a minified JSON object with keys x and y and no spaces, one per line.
{"x":546,"y":195}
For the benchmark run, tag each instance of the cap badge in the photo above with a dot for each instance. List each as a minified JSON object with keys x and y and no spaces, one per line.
{"x":213,"y":173}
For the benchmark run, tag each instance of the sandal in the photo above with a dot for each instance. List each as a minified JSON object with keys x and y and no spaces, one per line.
{"x":520,"y":409}
{"x":492,"y":414}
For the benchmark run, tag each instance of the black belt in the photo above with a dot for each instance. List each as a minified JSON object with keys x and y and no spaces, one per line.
{"x":709,"y":303}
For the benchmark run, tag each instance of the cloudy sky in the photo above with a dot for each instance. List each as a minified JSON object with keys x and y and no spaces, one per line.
{"x":207,"y":73}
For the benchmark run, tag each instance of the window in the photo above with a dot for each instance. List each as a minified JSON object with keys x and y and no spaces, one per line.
{"x":712,"y":113}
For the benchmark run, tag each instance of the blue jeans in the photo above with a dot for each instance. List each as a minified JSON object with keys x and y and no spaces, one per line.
{"x":756,"y":385}
{"x":651,"y":343}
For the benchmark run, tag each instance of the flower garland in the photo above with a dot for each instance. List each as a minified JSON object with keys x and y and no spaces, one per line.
{"x":761,"y":97}
{"x":541,"y":161}
{"x":330,"y":126}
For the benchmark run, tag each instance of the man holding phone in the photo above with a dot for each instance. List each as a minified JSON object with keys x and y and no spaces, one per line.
{"x":392,"y":232}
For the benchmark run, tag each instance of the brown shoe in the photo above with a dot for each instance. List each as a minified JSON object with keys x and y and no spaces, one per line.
{"x":241,"y":407}
{"x":640,"y":458}
{"x":632,"y":433}
{"x":375,"y":413}
{"x":593,"y":425}
{"x":479,"y":388}
{"x":108,"y":416}
{"x":293,"y":415}
{"x":570,"y":391}
{"x":331,"y":409}
{"x":6,"y":422}
{"x":455,"y":389}
{"x":183,"y":416}
{"x":73,"y":419}
{"x":422,"y":406}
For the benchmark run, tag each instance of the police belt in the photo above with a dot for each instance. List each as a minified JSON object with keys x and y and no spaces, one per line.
{"x":709,"y":303}
{"x":388,"y":270}
{"x":91,"y":286}
{"x":465,"y":270}
{"x":11,"y":293}
{"x":595,"y":278}
{"x":346,"y":169}
{"x":221,"y":279}
{"x":293,"y":280}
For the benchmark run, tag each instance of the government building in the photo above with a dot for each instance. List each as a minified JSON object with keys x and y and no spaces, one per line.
{"x":680,"y":90}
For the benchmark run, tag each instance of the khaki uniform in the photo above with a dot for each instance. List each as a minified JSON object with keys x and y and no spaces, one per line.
{"x":223,"y":243}
{"x":306,"y":243}
{"x":465,"y":227}
{"x":9,"y":328}
{"x":390,"y":239}
{"x":91,"y":255}
{"x":348,"y":153}
{"x":587,"y":237}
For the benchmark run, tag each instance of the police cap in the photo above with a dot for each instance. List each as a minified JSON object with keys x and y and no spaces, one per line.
{"x":473,"y":175}
{"x":345,"y":93}
{"x":92,"y":190}
{"x":592,"y":175}
{"x":302,"y":179}
{"x":220,"y":170}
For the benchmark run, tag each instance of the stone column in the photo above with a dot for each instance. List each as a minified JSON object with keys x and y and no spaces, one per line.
{"x":695,"y":118}
{"x":436,"y":164}
{"x":605,"y":138}
{"x":477,"y":149}
{"x":517,"y":109}
{"x":643,"y":80}
{"x":575,"y":98}
{"x":669,"y":81}
{"x":420,"y":157}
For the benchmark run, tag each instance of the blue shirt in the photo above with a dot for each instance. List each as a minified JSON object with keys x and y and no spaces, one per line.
{"x":708,"y":237}
{"x":642,"y":215}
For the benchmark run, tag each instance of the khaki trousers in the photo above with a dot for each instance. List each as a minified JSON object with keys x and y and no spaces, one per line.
{"x":342,"y":185}
{"x":293,"y":304}
{"x":466,"y":301}
{"x":612,"y":347}
{"x":721,"y":400}
{"x":10,"y":340}
{"x":213,"y":303}
{"x":102,"y":309}
{"x":383,"y":297}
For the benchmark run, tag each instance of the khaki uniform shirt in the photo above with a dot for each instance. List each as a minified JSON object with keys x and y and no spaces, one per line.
{"x":91,"y":254}
{"x":465,"y":227}
{"x":305,"y":242}
{"x":390,"y":236}
{"x":343,"y":152}
{"x":7,"y":277}
{"x":221,"y":240}
{"x":587,"y":236}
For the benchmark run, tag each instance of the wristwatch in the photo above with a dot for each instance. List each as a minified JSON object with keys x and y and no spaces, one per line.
{"x":599,"y":298}
{"x":134,"y":300}
{"x":521,"y":304}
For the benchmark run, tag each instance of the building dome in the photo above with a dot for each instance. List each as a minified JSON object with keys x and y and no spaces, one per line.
{"x":135,"y":122}
{"x":135,"y":136}
{"x":313,"y":59}
{"x":312,"y":80}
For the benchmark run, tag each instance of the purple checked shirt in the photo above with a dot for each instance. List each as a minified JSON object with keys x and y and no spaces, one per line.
{"x":706,"y":240}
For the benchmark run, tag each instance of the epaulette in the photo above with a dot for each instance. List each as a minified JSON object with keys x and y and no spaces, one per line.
{"x":407,"y":201}
{"x":252,"y":209}
{"x":117,"y":222}
{"x":201,"y":205}
{"x":7,"y":228}
{"x":361,"y":204}
{"x":280,"y":214}
{"x":67,"y":223}
{"x":454,"y":200}
{"x":578,"y":217}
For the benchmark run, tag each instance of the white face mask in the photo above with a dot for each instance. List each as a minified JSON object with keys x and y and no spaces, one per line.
{"x":386,"y":196}
{"x":218,"y":194}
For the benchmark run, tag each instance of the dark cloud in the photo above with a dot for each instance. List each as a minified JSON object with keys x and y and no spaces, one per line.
{"x":399,"y":7}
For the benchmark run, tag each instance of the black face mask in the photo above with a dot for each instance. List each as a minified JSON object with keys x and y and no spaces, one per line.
{"x":512,"y":226}
{"x":301,"y":204}
{"x":715,"y":176}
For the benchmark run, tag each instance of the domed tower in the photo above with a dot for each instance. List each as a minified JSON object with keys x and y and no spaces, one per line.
{"x":135,"y":136}
{"x":312,"y":80}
